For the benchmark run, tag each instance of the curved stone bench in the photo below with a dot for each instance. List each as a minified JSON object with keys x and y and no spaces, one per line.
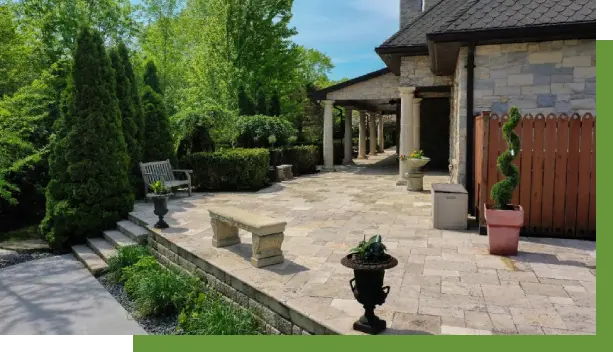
{"x":267,"y":233}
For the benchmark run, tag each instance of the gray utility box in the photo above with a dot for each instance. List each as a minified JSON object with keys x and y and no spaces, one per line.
{"x":449,"y":207}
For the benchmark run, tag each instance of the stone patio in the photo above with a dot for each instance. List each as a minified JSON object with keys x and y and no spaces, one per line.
{"x":445,"y":283}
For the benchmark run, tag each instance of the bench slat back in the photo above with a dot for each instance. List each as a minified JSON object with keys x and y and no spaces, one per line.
{"x":157,"y":170}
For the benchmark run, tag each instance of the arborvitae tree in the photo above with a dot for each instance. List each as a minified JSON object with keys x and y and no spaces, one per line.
{"x":89,"y":190}
{"x":151,"y":77}
{"x":274,"y":108}
{"x":262,"y":107}
{"x":245,"y":104}
{"x":159,"y":144}
{"x":131,"y":115}
{"x":139,"y":119}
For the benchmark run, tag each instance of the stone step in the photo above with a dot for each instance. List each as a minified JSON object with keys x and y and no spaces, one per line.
{"x":92,"y":261}
{"x":102,"y":247}
{"x":134,"y":231}
{"x":118,"y":239}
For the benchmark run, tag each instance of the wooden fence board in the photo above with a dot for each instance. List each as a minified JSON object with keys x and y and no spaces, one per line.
{"x":526,"y":137}
{"x":592,"y":220}
{"x":559,"y":187}
{"x":549,"y":172}
{"x":572,"y":178}
{"x":583,"y":197}
{"x":536,"y":184}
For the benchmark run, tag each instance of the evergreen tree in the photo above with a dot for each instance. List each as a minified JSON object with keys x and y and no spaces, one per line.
{"x":262,"y":108}
{"x":245,"y":104}
{"x":275,"y":105}
{"x":139,"y":119}
{"x":159,"y":144}
{"x":89,"y":190}
{"x":131,"y":114}
{"x":151,"y":77}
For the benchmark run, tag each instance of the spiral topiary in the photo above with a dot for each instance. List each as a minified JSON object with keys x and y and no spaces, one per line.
{"x":502,"y":192}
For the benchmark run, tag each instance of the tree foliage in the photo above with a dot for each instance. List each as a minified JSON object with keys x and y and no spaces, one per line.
{"x":132,"y":121}
{"x":89,"y":189}
{"x":159,"y":144}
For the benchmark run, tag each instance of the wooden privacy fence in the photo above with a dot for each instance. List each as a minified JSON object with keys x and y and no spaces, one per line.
{"x":557,"y":167}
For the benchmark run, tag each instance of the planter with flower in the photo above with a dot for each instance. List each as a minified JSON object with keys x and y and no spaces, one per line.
{"x":504,"y":220}
{"x":160,"y":197}
{"x":369,"y":262}
{"x":415,"y":175}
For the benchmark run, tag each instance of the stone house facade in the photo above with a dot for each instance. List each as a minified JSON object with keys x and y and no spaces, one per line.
{"x":483,"y":55}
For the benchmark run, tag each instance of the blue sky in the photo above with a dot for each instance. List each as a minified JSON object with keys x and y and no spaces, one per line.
{"x":346,"y":30}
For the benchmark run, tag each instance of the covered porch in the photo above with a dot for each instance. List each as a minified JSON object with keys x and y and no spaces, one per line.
{"x":422,"y":116}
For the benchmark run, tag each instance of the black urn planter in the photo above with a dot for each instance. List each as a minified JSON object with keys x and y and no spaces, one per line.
{"x":368,"y":290}
{"x":160,"y":208}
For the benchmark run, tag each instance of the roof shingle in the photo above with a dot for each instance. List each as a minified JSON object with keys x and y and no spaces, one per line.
{"x":473,"y":15}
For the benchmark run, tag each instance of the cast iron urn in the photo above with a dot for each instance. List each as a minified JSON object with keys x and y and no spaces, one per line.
{"x":368,"y":290}
{"x":160,"y":208}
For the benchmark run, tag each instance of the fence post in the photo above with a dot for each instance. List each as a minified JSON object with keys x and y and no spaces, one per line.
{"x":483,"y":190}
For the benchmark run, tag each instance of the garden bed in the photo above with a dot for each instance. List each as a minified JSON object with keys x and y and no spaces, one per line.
{"x":169,"y":302}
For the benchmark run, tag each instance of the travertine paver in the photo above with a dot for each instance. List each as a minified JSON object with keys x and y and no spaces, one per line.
{"x":446,"y":282}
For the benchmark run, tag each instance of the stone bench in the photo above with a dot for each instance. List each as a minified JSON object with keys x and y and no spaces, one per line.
{"x":284,"y":173}
{"x":267,"y":233}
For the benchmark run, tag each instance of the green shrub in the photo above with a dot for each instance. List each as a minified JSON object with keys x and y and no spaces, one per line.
{"x":125,"y":257}
{"x":155,"y":289}
{"x":255,"y":131}
{"x":89,"y":190}
{"x":207,"y":314}
{"x":276,"y":156}
{"x":304,"y":159}
{"x":230,"y":170}
{"x":502,"y":192}
{"x":192,"y":133}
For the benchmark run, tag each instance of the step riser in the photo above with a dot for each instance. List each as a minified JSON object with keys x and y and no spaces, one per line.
{"x":138,"y":222}
{"x":105,"y":255}
{"x":140,"y":239}
{"x":97,"y":268}
{"x":139,"y":236}
{"x":125,"y":241}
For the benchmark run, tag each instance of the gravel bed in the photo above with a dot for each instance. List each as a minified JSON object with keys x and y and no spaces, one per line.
{"x":152,"y":325}
{"x":24,"y":257}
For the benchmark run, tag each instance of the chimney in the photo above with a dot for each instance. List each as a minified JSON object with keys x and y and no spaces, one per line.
{"x":409,"y":9}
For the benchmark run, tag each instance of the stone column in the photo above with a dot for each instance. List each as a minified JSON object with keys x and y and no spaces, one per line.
{"x":348,"y":137}
{"x":381,"y":136}
{"x":328,"y":135}
{"x":406,"y":129}
{"x":416,"y":123}
{"x":362,"y":150}
{"x":372,"y":129}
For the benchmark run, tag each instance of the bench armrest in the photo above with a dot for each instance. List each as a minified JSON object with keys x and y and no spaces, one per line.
{"x":184,"y":171}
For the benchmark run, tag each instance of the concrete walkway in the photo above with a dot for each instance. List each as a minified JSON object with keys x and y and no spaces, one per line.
{"x":58,"y":296}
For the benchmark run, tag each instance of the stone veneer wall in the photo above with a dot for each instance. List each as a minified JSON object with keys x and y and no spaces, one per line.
{"x":382,"y":87}
{"x":545,"y":77}
{"x":278,"y":318}
{"x":457,"y":130}
{"x":415,"y":72}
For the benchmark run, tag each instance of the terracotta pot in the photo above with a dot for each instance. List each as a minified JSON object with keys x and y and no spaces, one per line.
{"x":503,"y":228}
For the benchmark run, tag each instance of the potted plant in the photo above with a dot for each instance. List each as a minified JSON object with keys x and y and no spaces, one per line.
{"x":504,"y":220}
{"x":369,"y":262}
{"x":160,"y":197}
{"x":415,"y":161}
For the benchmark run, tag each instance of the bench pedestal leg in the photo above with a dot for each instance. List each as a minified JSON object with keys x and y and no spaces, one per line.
{"x":224,"y":235}
{"x":266,"y":250}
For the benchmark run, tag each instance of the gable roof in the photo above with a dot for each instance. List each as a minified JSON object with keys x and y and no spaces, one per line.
{"x":431,"y":20}
{"x":460,"y":16}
